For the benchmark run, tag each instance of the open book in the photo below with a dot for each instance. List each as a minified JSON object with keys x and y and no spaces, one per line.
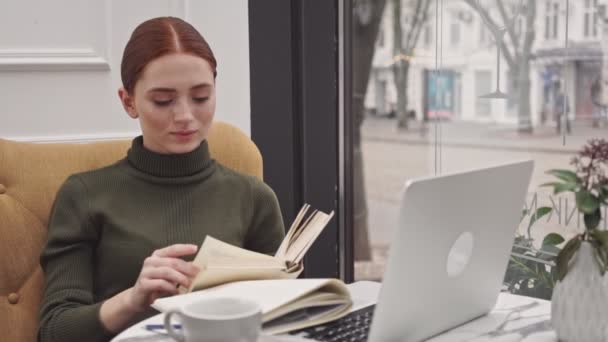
{"x":287,"y":304}
{"x":222,"y":263}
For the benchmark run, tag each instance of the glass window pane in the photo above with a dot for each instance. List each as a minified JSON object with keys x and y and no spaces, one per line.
{"x":398,"y":97}
{"x":539,"y":67}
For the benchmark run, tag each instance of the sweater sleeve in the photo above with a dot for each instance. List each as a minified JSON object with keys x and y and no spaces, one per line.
{"x":69,"y":311}
{"x":266,"y":231}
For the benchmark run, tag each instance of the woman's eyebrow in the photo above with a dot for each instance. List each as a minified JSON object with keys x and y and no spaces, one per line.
{"x":160,"y":89}
{"x":201,"y":86}
{"x":171,"y":90}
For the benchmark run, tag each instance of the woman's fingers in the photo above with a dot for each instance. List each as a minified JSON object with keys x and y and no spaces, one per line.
{"x":163,"y":270}
{"x":160,"y":274}
{"x":180,"y":265}
{"x":166,"y":273}
{"x":157,"y":286}
{"x":175,"y":251}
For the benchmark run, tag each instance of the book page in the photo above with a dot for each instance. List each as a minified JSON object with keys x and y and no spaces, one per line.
{"x":315,"y":226}
{"x":306,"y":317}
{"x":301,"y":235}
{"x":287,"y":241}
{"x":270,"y":294}
{"x":315,"y":299}
{"x":214,"y":249}
{"x":287,"y":305}
{"x":327,"y":303}
{"x":301,"y":228}
{"x":221,"y":262}
{"x":218,"y":274}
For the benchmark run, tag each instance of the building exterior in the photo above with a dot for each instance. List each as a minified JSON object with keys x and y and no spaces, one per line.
{"x":463,"y":49}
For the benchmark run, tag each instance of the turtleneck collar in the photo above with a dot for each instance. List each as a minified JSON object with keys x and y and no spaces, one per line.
{"x":168,"y":165}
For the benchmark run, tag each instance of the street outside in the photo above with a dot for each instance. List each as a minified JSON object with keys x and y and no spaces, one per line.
{"x":391,"y":157}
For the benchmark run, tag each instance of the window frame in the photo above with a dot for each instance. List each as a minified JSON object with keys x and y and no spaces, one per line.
{"x":294,"y":116}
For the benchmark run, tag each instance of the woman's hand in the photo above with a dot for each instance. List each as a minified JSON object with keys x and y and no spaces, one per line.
{"x":160,"y":275}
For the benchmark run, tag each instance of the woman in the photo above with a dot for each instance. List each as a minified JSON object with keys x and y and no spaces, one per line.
{"x":117,"y":235}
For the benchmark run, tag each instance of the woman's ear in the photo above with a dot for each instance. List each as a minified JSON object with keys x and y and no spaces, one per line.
{"x":128,"y":103}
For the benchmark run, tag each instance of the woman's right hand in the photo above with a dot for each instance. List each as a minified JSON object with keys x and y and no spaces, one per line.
{"x":160,"y":275}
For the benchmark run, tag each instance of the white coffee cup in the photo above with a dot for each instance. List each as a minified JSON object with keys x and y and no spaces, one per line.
{"x":217,"y":320}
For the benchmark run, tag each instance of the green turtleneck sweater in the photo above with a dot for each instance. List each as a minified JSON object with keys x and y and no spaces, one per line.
{"x":105,"y":222}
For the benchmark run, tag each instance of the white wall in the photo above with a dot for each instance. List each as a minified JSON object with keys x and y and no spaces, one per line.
{"x":60,"y":63}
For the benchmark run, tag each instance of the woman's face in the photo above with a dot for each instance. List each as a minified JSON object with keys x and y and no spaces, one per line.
{"x":175,"y":102}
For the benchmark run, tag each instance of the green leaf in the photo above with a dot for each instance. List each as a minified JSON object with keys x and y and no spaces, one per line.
{"x":586,"y":202}
{"x":561,"y":187}
{"x":553,"y":239}
{"x":601,"y":236}
{"x":565,"y":175}
{"x":603,"y":253}
{"x":601,"y":259}
{"x":548,"y":249}
{"x":564,"y":257}
{"x":540,"y":212}
{"x":604,"y":193}
{"x":593,"y":220}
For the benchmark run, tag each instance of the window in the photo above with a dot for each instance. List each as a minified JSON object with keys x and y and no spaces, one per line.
{"x":547,"y":18}
{"x":555,"y":19}
{"x":455,"y":33}
{"x":595,"y":16}
{"x":590,"y":18}
{"x":551,"y":19}
{"x":515,"y":120}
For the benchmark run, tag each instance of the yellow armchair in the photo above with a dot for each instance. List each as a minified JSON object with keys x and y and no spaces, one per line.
{"x":30,"y":175}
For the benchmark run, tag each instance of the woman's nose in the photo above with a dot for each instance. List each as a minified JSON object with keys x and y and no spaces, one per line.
{"x":182,"y":111}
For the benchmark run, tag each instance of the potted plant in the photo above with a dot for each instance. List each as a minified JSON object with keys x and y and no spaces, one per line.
{"x":579,"y":306}
{"x":531,"y":271}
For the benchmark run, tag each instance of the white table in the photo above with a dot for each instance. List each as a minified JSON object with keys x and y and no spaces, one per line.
{"x":514,"y":319}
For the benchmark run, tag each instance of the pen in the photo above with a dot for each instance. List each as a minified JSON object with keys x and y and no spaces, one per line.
{"x":161,"y":326}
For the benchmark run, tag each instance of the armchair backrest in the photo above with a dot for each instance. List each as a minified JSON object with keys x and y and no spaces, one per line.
{"x":30,"y":175}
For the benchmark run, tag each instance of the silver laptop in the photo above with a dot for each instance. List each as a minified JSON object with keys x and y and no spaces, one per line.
{"x":447,"y":259}
{"x":450,"y":251}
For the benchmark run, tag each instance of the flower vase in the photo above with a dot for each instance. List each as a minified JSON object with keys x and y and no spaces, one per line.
{"x":579,"y":306}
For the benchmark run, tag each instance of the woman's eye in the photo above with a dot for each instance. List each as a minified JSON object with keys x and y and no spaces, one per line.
{"x":200,"y":99}
{"x":162,"y":103}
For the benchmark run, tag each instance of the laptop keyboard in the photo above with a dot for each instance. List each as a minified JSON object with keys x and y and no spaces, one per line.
{"x":353,"y":327}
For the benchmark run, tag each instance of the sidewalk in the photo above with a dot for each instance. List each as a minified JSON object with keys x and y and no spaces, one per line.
{"x":481,"y":135}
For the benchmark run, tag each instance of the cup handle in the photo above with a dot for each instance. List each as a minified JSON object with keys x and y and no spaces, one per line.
{"x":169,"y":327}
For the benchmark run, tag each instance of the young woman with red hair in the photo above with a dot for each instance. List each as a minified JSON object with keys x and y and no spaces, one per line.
{"x":118,"y":235}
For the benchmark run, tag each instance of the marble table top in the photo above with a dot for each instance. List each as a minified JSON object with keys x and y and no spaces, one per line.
{"x":513,"y":319}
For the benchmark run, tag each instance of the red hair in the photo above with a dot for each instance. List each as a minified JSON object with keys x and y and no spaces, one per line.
{"x":157,"y":37}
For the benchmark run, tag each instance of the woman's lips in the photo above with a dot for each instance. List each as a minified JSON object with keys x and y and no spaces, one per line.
{"x":184,"y":134}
